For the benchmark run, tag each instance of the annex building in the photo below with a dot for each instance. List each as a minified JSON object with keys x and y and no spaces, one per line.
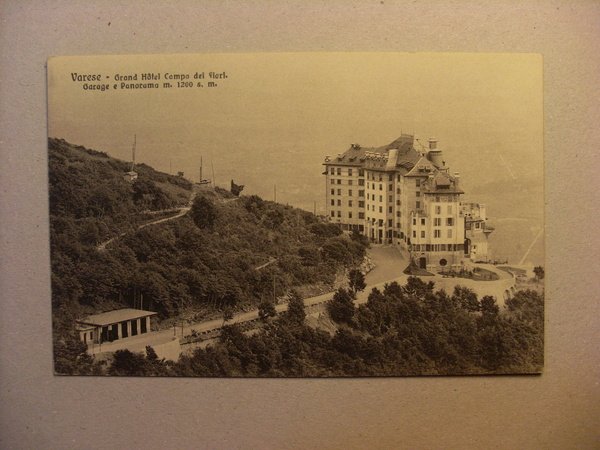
{"x":399,"y":195}
{"x":114,"y":325}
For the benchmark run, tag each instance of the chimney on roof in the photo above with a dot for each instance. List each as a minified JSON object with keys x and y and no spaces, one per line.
{"x":435,"y":154}
{"x":391,"y":159}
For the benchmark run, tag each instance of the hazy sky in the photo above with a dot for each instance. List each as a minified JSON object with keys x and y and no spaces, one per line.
{"x":278,"y":114}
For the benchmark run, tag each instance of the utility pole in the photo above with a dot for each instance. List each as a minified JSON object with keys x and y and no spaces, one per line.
{"x":275,"y":193}
{"x":133,"y":153}
{"x":213,"y":174}
{"x":315,"y":207}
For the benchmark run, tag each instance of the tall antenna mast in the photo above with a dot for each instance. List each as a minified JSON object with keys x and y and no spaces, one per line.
{"x":200,"y":180}
{"x":133,"y":153}
{"x":213,"y":173}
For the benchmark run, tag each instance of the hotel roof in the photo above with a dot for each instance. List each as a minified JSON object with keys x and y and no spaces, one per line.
{"x":118,"y":315}
{"x":357,"y":156}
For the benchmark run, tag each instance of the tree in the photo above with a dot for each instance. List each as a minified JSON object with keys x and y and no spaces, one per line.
{"x":127,"y":363}
{"x":325,"y":230}
{"x":341,"y":307}
{"x":295,"y":312}
{"x":489,"y":307}
{"x":465,"y":298}
{"x":204,"y":213}
{"x":266,"y":309}
{"x":356,"y":280}
{"x":539,"y":273}
{"x":236,"y":189}
{"x":227,"y":314}
{"x":357,"y":236}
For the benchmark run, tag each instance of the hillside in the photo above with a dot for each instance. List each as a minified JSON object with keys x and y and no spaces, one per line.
{"x":225,"y":252}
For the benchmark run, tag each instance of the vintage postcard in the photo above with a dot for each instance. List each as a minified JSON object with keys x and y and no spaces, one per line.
{"x":296,"y":214}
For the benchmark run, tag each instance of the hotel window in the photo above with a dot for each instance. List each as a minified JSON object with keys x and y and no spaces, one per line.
{"x":333,"y":192}
{"x":339,"y":214}
{"x":350,"y":215}
{"x":380,"y":178}
{"x":390,"y":187}
{"x":333,"y":181}
{"x":332,"y":171}
{"x":339,"y":203}
{"x":339,"y":192}
{"x":391,"y":177}
{"x":399,"y":177}
{"x":418,"y":205}
{"x":414,"y":221}
{"x":437,"y":233}
{"x":373,"y":186}
{"x":339,"y":171}
{"x":361,"y":215}
{"x":397,"y":213}
{"x":390,"y":209}
{"x":390,"y":223}
{"x":390,"y":199}
{"x":418,"y":193}
{"x":418,"y":182}
{"x":332,"y":213}
{"x":449,"y":209}
{"x":332,"y":202}
{"x":397,"y":224}
{"x":361,"y":182}
{"x":422,"y":221}
{"x":437,"y":222}
{"x":349,"y":172}
{"x":350,"y":203}
{"x":361,"y":193}
{"x":414,"y":234}
{"x":380,"y":198}
{"x":350,"y":192}
{"x":423,"y":234}
{"x":449,"y":232}
{"x":398,"y":202}
{"x":450,"y":221}
{"x":380,"y":209}
{"x":438,"y":209}
{"x":380,"y":187}
{"x":373,"y":197}
{"x":361,"y":204}
{"x":339,"y":181}
{"x":361,"y":172}
{"x":349,"y":182}
{"x":397,"y":190}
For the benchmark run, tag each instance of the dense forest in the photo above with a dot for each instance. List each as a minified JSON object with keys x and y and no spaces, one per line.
{"x":204,"y":261}
{"x":402,"y":330}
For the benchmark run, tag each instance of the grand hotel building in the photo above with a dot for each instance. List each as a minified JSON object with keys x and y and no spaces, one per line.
{"x":400,"y":195}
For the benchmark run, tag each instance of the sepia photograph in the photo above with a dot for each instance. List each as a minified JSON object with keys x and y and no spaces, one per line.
{"x":296,"y":214}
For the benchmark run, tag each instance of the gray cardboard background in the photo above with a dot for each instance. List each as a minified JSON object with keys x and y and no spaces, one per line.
{"x":560,"y":409}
